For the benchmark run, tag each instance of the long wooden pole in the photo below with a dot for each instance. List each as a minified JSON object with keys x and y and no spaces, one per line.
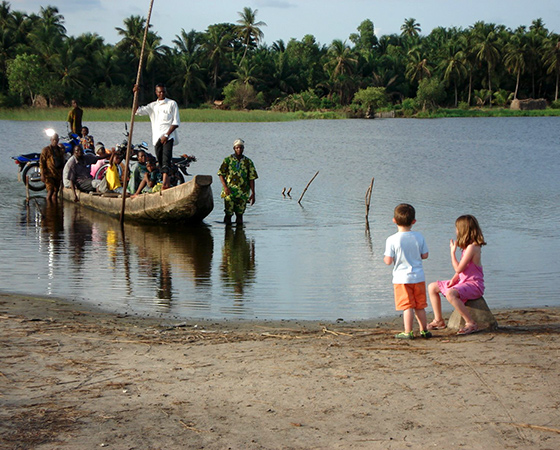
{"x":134,"y":108}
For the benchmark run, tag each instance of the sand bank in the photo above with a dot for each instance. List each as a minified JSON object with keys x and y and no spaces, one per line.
{"x":81,"y":379}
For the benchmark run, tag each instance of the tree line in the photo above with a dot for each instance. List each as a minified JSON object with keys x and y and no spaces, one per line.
{"x":228,"y":64}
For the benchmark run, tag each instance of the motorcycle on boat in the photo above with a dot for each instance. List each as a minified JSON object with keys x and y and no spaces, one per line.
{"x":28,"y":164}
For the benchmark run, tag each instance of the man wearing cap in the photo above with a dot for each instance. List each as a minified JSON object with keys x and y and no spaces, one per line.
{"x":237,"y":174}
{"x":164,"y":115}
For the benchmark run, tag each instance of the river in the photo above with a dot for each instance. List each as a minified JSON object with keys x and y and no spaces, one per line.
{"x":317,"y":259}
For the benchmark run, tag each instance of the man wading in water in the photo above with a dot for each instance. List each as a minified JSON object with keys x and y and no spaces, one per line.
{"x":237,"y":174}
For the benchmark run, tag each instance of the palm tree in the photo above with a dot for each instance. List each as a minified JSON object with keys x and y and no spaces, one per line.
{"x":486,"y":48}
{"x":551,"y":59}
{"x":189,"y":48}
{"x":217,"y":47}
{"x":249,"y":29}
{"x":452,"y":64}
{"x":132,"y":36}
{"x":417,"y":67}
{"x":341,"y":64}
{"x":515,"y":57}
{"x":410,"y":28}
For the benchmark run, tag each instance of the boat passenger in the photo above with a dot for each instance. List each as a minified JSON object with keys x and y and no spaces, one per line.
{"x":104,"y":156}
{"x":137,"y":172}
{"x":75,"y":117}
{"x":76,"y":173}
{"x":112,"y":175}
{"x":86,"y":140}
{"x":152,"y":180}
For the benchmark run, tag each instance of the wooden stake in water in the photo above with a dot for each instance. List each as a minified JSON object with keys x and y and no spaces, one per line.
{"x":299,"y":201}
{"x":27,"y":188}
{"x":368,"y":197}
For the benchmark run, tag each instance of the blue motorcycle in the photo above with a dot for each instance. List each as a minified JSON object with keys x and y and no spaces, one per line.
{"x":28,"y":164}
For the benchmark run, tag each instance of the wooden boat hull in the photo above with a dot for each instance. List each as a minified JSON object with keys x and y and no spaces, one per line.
{"x":189,"y":202}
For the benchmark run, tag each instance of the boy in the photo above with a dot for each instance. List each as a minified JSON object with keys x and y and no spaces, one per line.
{"x":152,"y":180}
{"x":406,"y":249}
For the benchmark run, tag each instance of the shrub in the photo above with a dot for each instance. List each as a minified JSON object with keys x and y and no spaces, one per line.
{"x":430,"y":92}
{"x":409,"y":107}
{"x":555,"y":104}
{"x":464,"y":106}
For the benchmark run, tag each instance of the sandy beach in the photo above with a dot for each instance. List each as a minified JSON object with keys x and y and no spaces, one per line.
{"x":75,"y":378}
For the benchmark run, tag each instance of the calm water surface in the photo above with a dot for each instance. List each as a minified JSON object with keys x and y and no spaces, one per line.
{"x":317,"y":260}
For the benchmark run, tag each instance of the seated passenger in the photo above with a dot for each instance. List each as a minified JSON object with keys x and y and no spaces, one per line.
{"x":152,"y":180}
{"x":138,"y":171}
{"x":104,"y":156}
{"x":113,"y":177}
{"x":76,"y":173}
{"x":86,"y":140}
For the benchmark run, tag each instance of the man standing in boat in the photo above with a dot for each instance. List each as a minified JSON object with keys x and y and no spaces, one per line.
{"x":164,"y":116}
{"x":75,"y":118}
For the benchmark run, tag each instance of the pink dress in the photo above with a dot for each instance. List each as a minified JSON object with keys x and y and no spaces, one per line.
{"x":470,"y":284}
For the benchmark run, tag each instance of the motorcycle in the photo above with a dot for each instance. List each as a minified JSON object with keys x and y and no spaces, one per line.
{"x":28,"y":164}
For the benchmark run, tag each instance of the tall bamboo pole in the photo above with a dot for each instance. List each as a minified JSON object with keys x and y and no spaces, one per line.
{"x":134,"y":108}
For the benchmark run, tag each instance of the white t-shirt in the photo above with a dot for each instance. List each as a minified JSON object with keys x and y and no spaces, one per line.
{"x":163,"y":114}
{"x":406,"y":248}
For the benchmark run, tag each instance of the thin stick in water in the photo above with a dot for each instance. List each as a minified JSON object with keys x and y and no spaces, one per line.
{"x":368,"y":197}
{"x":302,"y":194}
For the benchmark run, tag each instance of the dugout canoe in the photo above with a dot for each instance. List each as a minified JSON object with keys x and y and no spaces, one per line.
{"x":189,"y":202}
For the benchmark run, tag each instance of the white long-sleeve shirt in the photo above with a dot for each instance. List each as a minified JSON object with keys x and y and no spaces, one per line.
{"x":163,"y":114}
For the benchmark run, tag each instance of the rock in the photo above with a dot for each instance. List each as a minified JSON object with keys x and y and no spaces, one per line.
{"x":479,"y":311}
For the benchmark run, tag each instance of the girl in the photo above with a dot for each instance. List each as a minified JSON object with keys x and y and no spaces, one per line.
{"x":468,"y":281}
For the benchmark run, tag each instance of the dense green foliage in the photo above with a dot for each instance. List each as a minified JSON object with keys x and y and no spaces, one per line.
{"x":484,"y":65}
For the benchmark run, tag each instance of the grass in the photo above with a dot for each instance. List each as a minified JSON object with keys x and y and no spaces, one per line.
{"x":486,"y":112}
{"x":217,"y":115}
{"x":187,"y":115}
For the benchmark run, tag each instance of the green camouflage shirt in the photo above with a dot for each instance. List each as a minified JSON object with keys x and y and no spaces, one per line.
{"x":237,"y":174}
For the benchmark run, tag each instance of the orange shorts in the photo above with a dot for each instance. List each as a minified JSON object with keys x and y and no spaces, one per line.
{"x":410,"y":296}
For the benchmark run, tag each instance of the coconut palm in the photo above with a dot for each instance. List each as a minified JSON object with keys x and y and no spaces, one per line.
{"x":515,"y":57}
{"x":341,"y":64}
{"x":486,"y":48}
{"x":410,"y":28}
{"x":217,"y":47}
{"x":551,"y":59}
{"x":249,"y":29}
{"x":453,"y":66}
{"x":189,"y":51}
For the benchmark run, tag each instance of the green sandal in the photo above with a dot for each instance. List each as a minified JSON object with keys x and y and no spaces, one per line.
{"x":404,"y":335}
{"x":426,"y":334}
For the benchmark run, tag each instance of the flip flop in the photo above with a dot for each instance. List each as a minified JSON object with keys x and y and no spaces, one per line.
{"x":433,"y":325}
{"x":468,"y":330}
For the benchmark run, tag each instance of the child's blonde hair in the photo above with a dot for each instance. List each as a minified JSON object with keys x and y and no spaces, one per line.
{"x":468,"y":231}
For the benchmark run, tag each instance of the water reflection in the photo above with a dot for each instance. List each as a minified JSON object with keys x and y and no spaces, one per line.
{"x":134,"y":261}
{"x":238,"y":263}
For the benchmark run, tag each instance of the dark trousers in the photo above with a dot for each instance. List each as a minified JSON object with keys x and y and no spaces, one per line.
{"x":164,"y":153}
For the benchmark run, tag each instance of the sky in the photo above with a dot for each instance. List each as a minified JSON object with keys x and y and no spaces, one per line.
{"x":285,"y":19}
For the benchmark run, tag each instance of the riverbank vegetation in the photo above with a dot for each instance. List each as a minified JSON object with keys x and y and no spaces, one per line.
{"x":448,"y":72}
{"x":187,"y":115}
